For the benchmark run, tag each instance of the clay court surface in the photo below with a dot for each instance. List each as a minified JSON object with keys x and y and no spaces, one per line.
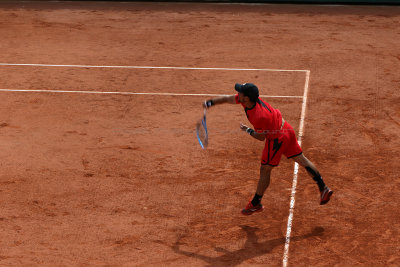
{"x":120,"y":180}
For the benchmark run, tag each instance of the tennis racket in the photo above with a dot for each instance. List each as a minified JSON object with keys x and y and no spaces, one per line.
{"x":201,"y":131}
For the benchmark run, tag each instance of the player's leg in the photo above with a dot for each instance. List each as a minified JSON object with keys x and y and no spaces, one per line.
{"x":270,"y":158}
{"x":314,"y":173}
{"x":255,"y":204}
{"x":294,"y":151}
{"x":265,"y":178}
{"x":311,"y":170}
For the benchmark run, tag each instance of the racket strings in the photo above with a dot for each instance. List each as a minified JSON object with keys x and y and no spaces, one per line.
{"x":202,"y":133}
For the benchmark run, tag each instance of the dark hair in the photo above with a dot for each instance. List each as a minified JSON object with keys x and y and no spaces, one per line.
{"x":253,"y":98}
{"x":249,"y":90}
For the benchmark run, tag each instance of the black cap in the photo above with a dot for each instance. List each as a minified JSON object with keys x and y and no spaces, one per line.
{"x":248,"y":89}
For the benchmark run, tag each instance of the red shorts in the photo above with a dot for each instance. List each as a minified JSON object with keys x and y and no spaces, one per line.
{"x":285,"y":144}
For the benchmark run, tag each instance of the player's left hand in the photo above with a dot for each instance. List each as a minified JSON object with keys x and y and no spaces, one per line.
{"x":243,"y":127}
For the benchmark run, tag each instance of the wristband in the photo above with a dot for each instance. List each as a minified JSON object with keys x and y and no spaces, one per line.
{"x":249,"y":131}
{"x":209,"y":103}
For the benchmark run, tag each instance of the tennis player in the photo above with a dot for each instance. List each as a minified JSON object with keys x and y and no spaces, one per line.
{"x":279,"y":137}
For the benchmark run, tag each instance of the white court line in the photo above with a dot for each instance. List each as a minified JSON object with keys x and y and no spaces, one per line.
{"x":133,"y":93}
{"x":296,"y":169}
{"x":146,"y":67}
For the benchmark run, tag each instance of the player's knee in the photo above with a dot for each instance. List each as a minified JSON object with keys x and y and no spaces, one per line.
{"x":266,"y":168}
{"x":301,"y":159}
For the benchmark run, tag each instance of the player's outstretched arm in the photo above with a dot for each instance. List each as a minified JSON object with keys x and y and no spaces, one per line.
{"x":230,"y":99}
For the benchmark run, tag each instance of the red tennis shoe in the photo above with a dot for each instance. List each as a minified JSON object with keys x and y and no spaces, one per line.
{"x":250,"y":209}
{"x":325,"y":195}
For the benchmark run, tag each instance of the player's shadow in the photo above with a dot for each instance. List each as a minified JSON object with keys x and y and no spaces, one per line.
{"x":252,"y":248}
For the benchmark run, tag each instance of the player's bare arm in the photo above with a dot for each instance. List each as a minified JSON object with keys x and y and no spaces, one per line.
{"x":253,"y":133}
{"x":230,"y":99}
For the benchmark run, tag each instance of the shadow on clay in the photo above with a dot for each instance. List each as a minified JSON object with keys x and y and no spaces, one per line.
{"x":252,"y":248}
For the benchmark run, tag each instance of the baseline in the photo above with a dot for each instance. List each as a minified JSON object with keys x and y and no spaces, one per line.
{"x":147,"y":67}
{"x":131,"y":93}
